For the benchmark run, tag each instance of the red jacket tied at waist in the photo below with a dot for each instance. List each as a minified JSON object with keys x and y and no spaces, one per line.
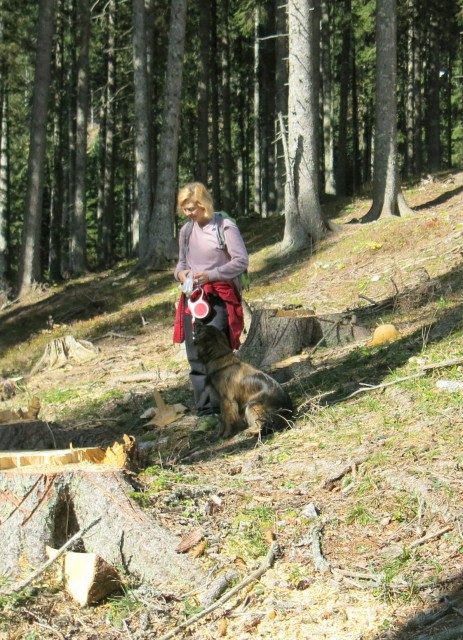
{"x":228,"y":293}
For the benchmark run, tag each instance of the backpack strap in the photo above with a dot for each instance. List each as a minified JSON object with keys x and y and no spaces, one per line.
{"x":219,"y":217}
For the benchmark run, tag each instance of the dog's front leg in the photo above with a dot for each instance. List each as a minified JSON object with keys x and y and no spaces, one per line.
{"x":230,"y":417}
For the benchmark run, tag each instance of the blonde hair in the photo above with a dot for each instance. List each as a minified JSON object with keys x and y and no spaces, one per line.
{"x":199,"y":195}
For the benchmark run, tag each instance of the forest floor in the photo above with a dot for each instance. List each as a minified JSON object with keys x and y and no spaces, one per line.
{"x":374,"y":474}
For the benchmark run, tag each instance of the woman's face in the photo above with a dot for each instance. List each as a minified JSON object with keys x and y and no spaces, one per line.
{"x":194,"y":212}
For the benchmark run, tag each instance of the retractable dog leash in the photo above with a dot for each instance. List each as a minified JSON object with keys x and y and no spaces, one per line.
{"x":198,"y":305}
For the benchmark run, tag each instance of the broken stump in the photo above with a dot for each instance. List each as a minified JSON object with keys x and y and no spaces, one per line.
{"x":60,"y":351}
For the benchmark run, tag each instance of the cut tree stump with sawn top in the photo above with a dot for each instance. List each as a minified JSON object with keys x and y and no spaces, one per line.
{"x":277,"y":334}
{"x":42,"y":507}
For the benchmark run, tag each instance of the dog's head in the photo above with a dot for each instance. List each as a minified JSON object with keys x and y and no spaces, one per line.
{"x":210,"y":341}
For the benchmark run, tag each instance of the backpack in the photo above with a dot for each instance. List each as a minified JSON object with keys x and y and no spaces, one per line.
{"x":219,"y":217}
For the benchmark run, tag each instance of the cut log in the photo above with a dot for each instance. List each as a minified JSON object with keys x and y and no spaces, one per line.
{"x":277,"y":334}
{"x":86,"y":576}
{"x":46,"y":505}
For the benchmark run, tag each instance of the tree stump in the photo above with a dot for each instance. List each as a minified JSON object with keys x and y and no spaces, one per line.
{"x":42,"y":507}
{"x":277,"y":334}
{"x":59,"y":351}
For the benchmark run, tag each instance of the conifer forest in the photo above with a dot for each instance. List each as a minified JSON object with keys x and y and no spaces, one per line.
{"x":107,"y":106}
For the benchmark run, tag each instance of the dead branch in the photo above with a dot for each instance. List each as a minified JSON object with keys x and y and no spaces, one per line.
{"x":329,"y":483}
{"x":319,"y":561}
{"x":77,"y":536}
{"x":266,"y":564}
{"x":430,"y":536}
{"x":440,"y":365}
{"x":114,"y":334}
{"x":218,"y":587}
{"x":375,"y":578}
{"x":378,"y":386}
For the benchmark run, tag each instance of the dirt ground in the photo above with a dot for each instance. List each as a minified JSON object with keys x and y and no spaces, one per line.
{"x":349,"y":493}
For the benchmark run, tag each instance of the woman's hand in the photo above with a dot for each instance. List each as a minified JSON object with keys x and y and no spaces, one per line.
{"x":200,"y":277}
{"x":182,"y":275}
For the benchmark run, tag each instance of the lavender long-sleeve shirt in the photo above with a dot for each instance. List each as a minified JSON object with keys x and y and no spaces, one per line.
{"x":203,"y":253}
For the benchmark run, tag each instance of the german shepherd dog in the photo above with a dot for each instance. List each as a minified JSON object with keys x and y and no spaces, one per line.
{"x":249,"y":398}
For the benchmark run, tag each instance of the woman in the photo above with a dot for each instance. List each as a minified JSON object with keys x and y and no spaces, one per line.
{"x":215,"y":266}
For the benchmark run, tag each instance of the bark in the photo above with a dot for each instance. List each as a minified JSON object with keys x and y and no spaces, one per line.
{"x":344,"y":82}
{"x":304,"y":225}
{"x":227,"y":200}
{"x":411,"y":116}
{"x":272,"y":338}
{"x":388,"y":199}
{"x":30,"y":268}
{"x":433,"y":115}
{"x":257,"y":208}
{"x":57,"y":232}
{"x":78,"y":226}
{"x":162,"y":247}
{"x":203,"y":92}
{"x":107,"y":227}
{"x":142,"y":123}
{"x":328,"y":104}
{"x":281,"y":94}
{"x":43,"y":507}
{"x":215,"y":110}
{"x":278,"y":334}
{"x":4,"y":226}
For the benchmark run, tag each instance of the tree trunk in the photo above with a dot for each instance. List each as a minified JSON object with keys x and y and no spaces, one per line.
{"x":433,"y":145}
{"x":281,"y":95}
{"x":142,"y":124}
{"x":328,"y":106}
{"x":78,"y":226}
{"x":257,"y":191}
{"x":4,"y":225}
{"x":227,"y":200}
{"x":304,"y":220}
{"x":202,"y":162}
{"x":57,"y":233}
{"x":43,"y":507}
{"x":162,"y":248}
{"x":107,"y":228}
{"x":388,"y":199}
{"x":344,"y":82}
{"x":30,"y":268}
{"x":215,"y":110}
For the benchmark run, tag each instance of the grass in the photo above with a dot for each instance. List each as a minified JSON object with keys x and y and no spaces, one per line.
{"x":408,"y":433}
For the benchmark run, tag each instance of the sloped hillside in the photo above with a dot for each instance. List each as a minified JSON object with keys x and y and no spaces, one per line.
{"x":362,"y":494}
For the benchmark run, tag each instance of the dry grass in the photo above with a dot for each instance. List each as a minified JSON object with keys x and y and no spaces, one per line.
{"x":383,"y":468}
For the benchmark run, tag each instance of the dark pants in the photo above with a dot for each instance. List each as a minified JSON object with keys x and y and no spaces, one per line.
{"x":205,"y":399}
